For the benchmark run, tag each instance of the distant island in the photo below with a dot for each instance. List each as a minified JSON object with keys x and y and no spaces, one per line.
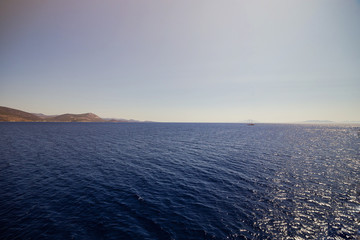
{"x":15,"y":115}
{"x":318,"y":121}
{"x":328,"y":122}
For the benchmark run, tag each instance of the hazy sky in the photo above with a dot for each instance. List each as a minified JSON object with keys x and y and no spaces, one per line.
{"x":197,"y":61}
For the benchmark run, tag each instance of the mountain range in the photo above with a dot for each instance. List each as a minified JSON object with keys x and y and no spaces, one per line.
{"x":15,"y":115}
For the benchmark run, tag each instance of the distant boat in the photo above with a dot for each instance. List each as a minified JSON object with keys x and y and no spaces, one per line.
{"x":251,"y":123}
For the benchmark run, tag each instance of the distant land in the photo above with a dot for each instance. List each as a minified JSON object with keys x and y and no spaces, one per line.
{"x":318,"y":121}
{"x":328,"y":122}
{"x":15,"y":115}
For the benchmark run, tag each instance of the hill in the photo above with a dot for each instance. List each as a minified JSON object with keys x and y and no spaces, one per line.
{"x":85,"y":117}
{"x":14,"y":115}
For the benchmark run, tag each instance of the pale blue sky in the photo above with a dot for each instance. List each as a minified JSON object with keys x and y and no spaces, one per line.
{"x":197,"y":61}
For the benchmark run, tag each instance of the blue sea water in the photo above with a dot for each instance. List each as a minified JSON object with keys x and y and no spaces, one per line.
{"x":179,"y":181}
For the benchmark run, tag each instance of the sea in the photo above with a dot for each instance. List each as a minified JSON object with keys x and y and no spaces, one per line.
{"x":179,"y":181}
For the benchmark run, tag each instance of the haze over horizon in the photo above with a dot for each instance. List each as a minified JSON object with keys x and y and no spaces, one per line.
{"x":183,"y":61}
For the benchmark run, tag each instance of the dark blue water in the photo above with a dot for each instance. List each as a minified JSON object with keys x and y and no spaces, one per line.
{"x":178,"y":181}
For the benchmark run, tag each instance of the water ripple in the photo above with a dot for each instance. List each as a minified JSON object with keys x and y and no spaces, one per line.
{"x":178,"y":181}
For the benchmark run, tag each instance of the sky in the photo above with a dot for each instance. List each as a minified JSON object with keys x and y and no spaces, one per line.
{"x":183,"y":61}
